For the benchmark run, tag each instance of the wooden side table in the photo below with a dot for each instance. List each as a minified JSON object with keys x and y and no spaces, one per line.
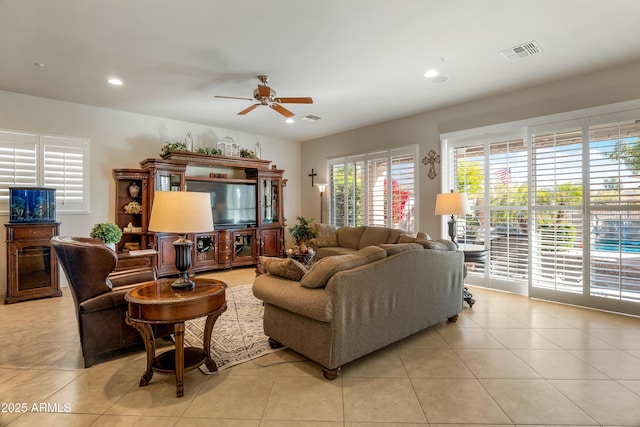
{"x":156,"y":302}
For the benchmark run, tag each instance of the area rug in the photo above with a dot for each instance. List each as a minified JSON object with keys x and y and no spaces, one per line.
{"x":237,"y":335}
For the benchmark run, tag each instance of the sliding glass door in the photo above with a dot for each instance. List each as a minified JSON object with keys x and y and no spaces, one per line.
{"x":559,"y":210}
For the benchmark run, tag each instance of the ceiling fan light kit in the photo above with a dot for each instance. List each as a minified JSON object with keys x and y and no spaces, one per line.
{"x":265,"y":96}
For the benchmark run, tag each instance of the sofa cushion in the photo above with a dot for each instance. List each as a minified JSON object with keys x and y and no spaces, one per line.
{"x":373,"y":236}
{"x":283,"y":267}
{"x":320,"y":273}
{"x":396,"y":248}
{"x":332,"y":251}
{"x":349,"y":237}
{"x":326,"y":235}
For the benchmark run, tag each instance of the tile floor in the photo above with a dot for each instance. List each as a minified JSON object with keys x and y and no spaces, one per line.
{"x":507,"y":361}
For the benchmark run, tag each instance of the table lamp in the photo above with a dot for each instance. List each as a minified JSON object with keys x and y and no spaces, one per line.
{"x":181,"y":212}
{"x":452,"y":204}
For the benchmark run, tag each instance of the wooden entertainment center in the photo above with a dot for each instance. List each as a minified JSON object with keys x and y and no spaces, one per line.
{"x":258,"y":231}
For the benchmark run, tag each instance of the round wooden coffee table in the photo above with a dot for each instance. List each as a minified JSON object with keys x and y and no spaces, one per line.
{"x":155,"y":303}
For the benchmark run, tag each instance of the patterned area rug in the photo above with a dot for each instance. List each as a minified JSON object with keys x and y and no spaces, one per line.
{"x":237,"y":335}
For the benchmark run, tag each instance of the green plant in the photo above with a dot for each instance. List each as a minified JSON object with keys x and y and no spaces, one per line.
{"x":174,"y":146}
{"x":247,"y":153}
{"x":108,"y":232}
{"x":208,"y":151}
{"x":302,"y":231}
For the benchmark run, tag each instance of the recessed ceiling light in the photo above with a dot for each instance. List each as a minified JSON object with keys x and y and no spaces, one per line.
{"x":431,"y":74}
{"x":115,"y":81}
{"x":440,"y":79}
{"x":289,"y":120}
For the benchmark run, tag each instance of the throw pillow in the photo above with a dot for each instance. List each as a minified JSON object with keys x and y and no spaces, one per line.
{"x":320,"y":273}
{"x":283,"y":267}
{"x":326,"y":235}
{"x":396,"y":248}
{"x":440,"y":245}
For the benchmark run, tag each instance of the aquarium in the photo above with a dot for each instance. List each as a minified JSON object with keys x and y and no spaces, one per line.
{"x":32,"y":204}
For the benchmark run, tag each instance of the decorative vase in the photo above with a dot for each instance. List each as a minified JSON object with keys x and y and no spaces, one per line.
{"x":134,"y":189}
{"x":111,"y":246}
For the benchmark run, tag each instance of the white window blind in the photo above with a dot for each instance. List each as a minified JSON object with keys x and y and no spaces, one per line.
{"x":557,"y":256}
{"x":374,"y":189}
{"x":614,"y":196}
{"x":18,"y":163}
{"x":30,"y":159}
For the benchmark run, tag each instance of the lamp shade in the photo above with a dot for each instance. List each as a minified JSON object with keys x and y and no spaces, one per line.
{"x":452,"y":204}
{"x":181,"y":212}
{"x":321,"y":186}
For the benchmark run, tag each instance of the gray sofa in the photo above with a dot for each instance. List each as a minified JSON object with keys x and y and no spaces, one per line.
{"x":345,"y":240}
{"x":348,"y":306}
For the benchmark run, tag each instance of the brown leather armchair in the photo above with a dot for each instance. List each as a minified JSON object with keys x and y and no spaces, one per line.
{"x":98,"y":293}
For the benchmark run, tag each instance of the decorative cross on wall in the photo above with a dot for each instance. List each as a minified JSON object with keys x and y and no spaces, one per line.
{"x":312,"y":175}
{"x":431,"y":160}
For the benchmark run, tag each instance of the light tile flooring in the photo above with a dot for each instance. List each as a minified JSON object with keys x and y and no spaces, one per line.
{"x":507,"y":361}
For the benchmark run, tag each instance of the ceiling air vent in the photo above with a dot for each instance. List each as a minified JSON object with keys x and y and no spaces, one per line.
{"x":311,"y":118}
{"x":521,"y":51}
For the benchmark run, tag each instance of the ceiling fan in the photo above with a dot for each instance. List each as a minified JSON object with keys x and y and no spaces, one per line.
{"x":267,"y":96}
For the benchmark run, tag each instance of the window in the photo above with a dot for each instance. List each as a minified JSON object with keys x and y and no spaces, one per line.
{"x":374,"y":189}
{"x":559,"y":208}
{"x":29,"y":159}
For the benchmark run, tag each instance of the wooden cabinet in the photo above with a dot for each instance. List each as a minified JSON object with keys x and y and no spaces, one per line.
{"x":271,"y":242}
{"x":205,"y":251}
{"x":166,"y":253}
{"x":32,"y":267}
{"x":164,"y":175}
{"x":131,"y":209}
{"x":270,"y":209}
{"x":244,"y":247}
{"x":260,"y":230}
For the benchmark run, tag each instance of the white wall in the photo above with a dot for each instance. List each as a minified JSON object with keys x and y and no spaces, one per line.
{"x":121,"y":140}
{"x":615,"y":85}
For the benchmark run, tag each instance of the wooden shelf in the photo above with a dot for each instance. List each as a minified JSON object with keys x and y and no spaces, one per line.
{"x":228,"y":180}
{"x":206,"y":160}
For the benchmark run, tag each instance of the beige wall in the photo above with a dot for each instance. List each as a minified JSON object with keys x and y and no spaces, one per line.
{"x":121,"y":140}
{"x":613,"y":86}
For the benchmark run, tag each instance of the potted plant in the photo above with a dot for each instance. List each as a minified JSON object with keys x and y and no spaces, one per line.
{"x":108,"y":232}
{"x":303,"y":231}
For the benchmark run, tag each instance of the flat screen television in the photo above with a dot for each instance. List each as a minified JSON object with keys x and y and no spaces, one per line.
{"x":232,"y":204}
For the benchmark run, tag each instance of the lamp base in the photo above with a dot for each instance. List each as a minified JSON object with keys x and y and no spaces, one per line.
{"x":452,"y":230}
{"x":183,"y":262}
{"x":183,"y":283}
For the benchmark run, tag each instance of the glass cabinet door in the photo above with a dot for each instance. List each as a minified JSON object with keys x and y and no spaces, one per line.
{"x":270,"y":206}
{"x":168,"y":182}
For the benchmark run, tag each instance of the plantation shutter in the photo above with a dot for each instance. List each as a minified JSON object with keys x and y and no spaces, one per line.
{"x":377,"y":185}
{"x":403,"y":192}
{"x":614,"y":197}
{"x":508,"y":209}
{"x":556,"y":256}
{"x":31,"y":159}
{"x":337,"y":193}
{"x":64,"y":170}
{"x":375,"y":189}
{"x":18,"y":163}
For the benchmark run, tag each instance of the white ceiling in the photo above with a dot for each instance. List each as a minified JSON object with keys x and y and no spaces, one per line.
{"x":362,"y":61}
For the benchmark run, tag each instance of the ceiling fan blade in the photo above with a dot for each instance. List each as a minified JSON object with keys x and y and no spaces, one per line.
{"x":233,"y":97}
{"x":280,"y":109}
{"x":302,"y":100}
{"x":246,"y":110}
{"x":264,"y":91}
